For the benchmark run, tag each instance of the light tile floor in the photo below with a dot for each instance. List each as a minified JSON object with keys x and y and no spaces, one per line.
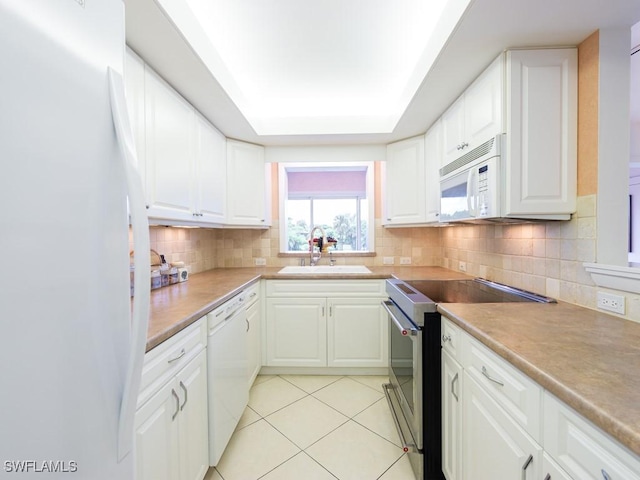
{"x":300,"y":427}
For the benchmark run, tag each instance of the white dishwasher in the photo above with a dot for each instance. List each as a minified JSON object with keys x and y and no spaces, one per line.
{"x":227,"y":366}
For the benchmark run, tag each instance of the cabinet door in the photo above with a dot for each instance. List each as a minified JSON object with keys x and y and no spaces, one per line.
{"x":211,"y":172}
{"x":404,"y":182}
{"x":551,"y":470}
{"x":156,"y":431}
{"x":451,"y":417}
{"x":254,"y":341}
{"x":541,"y":145}
{"x":296,"y":332}
{"x":483,"y":106}
{"x":495,"y":446}
{"x":581,"y":449}
{"x":433,"y":159}
{"x":134,"y":90}
{"x":193,"y":419}
{"x":169,"y":146}
{"x":357,"y":333}
{"x":246,"y":193}
{"x":453,"y":132}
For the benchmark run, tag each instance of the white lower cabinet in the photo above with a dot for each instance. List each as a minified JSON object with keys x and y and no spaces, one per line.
{"x":356,"y":333}
{"x":511,"y":428}
{"x":584,"y":451}
{"x":551,"y":470}
{"x":305,"y":327}
{"x":157,"y":455}
{"x":451,"y":417}
{"x":296,"y":332}
{"x":171,"y":424}
{"x":494,"y":446}
{"x":254,"y":332}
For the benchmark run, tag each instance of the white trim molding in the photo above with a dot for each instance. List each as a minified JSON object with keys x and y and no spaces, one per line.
{"x":615,"y":277}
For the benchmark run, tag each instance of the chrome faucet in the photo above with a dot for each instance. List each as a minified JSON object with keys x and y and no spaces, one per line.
{"x":312,"y":258}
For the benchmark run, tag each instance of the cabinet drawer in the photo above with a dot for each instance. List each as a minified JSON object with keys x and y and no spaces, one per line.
{"x":251,"y":294}
{"x":325,"y":288}
{"x":520,"y":396}
{"x":450,"y":339}
{"x":582,"y":449}
{"x":171,"y":355}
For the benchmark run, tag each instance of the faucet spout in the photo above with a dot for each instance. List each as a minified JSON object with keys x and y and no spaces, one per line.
{"x":313,"y":260}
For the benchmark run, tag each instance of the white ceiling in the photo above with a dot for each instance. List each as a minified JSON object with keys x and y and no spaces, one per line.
{"x":307,"y":67}
{"x":354,"y":39}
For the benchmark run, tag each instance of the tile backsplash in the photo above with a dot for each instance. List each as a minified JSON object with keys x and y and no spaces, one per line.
{"x":544,"y":257}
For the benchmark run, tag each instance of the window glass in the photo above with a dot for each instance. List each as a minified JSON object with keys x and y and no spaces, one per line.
{"x":333,"y":198}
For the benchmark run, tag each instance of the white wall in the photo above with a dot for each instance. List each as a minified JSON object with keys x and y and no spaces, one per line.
{"x":326,"y":153}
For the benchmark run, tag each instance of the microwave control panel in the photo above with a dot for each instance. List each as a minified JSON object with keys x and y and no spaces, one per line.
{"x":483,"y":191}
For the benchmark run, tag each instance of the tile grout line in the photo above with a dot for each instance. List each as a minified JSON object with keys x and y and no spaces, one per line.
{"x":348,"y":418}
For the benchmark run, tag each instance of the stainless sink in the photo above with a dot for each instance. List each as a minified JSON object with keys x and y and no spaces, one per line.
{"x":324,"y":270}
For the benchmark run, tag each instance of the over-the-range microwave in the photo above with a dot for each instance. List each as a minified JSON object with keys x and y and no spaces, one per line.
{"x":470,"y":185}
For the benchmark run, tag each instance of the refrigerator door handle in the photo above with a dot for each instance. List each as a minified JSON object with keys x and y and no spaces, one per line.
{"x":140,"y":228}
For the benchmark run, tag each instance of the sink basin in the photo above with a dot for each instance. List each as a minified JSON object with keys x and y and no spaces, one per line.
{"x":324,"y":270}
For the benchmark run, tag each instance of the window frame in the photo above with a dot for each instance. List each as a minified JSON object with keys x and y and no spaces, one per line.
{"x":283,"y":194}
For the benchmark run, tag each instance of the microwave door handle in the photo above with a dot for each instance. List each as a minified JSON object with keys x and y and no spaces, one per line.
{"x":471,"y":193}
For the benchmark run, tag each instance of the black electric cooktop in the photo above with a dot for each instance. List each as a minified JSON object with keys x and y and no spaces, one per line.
{"x":473,"y":291}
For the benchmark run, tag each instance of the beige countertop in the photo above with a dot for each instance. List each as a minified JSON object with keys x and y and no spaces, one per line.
{"x":589,"y":360}
{"x":177,"y":306}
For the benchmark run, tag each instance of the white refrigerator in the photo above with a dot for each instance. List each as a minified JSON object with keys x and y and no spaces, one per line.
{"x":71,"y":343}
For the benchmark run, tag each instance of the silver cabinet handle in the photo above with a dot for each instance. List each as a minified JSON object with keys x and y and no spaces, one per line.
{"x":323,"y":311}
{"x":177,"y":357}
{"x":175,"y":395}
{"x":446,"y":338}
{"x":453,"y":382}
{"x":330,"y":310}
{"x":548,"y":477}
{"x":494,"y":380}
{"x":253,"y":295}
{"x":605,"y":475}
{"x":525,"y":466}
{"x":247,"y":324}
{"x":184,"y":389}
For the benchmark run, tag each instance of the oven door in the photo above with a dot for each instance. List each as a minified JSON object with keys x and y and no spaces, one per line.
{"x":404,"y":392}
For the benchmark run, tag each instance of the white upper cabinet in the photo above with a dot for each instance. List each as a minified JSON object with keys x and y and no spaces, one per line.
{"x":247,"y":202}
{"x":531,"y":96}
{"x":541,"y":125}
{"x":170,"y":122}
{"x":432,"y":158}
{"x":191,"y":173}
{"x":134,"y":91}
{"x":211,"y":173}
{"x":404,"y":183}
{"x":476,"y":116}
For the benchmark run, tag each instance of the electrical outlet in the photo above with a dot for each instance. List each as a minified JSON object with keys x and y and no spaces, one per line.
{"x":387,"y":261}
{"x":405,"y":260}
{"x":462,"y":266}
{"x":611,"y":302}
{"x":260,"y":262}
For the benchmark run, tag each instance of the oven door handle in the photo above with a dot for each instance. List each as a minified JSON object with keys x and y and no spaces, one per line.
{"x":406,"y":327}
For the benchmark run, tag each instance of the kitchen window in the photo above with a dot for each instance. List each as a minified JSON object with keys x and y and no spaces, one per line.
{"x":336,"y":197}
